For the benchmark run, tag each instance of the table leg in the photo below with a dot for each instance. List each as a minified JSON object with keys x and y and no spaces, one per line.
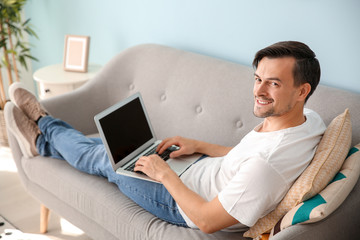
{"x":44,"y":218}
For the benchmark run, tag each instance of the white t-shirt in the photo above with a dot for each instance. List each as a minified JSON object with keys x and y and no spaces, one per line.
{"x":256,"y":174}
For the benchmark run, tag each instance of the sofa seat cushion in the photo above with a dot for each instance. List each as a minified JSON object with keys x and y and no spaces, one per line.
{"x":102,"y":202}
{"x":91,"y":195}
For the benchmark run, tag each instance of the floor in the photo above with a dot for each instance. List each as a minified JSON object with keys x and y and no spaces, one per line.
{"x":23,"y":211}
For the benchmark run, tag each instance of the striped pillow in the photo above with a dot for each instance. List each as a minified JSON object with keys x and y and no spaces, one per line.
{"x":328,"y":200}
{"x":328,"y":159}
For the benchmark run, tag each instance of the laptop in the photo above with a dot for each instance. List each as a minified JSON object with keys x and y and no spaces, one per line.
{"x":127,"y":134}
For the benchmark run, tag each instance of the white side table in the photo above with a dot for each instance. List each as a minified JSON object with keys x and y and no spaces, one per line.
{"x":54,"y":80}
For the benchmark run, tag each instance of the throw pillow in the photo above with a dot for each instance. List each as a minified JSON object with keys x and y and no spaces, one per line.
{"x":328,"y":200}
{"x":328,"y":159}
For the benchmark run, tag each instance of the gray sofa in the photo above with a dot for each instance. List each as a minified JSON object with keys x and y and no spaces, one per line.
{"x":185,"y":94}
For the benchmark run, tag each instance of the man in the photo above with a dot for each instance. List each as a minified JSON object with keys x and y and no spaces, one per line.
{"x":233,"y":187}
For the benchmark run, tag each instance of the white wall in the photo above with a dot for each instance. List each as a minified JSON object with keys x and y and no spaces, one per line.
{"x":230,"y":29}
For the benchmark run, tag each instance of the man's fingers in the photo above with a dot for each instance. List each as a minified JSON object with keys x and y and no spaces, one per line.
{"x":141,"y":161}
{"x":176,"y":153}
{"x":165,"y":146}
{"x":160,"y":146}
{"x":168,"y":142}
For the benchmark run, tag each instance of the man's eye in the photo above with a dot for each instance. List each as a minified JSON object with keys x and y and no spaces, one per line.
{"x":274,"y":84}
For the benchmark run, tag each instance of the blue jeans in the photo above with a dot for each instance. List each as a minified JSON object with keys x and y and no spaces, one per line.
{"x":60,"y":140}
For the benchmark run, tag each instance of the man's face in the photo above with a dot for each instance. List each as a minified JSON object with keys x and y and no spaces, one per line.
{"x":274,"y":91}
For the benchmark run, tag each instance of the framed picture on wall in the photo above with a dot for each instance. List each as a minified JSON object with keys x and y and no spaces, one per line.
{"x":76,"y":54}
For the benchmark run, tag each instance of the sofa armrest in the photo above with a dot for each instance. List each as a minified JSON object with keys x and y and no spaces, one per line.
{"x":78,"y":107}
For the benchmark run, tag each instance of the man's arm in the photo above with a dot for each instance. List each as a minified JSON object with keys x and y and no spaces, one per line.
{"x":190,"y":146}
{"x":209,"y":216}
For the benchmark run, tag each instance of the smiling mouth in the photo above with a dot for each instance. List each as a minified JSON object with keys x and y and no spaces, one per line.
{"x":263,"y":101}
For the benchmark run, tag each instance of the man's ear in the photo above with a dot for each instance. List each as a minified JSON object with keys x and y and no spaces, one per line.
{"x":304,"y":90}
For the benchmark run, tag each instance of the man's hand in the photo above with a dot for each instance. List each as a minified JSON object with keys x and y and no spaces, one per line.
{"x":186,"y":146}
{"x":190,"y":146}
{"x":153,"y":166}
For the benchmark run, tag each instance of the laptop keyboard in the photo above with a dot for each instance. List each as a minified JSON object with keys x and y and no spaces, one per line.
{"x":165,"y":156}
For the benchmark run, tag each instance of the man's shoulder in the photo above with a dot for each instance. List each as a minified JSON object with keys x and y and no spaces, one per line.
{"x":310,"y":112}
{"x":314,"y":119}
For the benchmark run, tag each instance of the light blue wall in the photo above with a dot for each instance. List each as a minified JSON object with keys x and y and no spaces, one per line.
{"x":230,"y":29}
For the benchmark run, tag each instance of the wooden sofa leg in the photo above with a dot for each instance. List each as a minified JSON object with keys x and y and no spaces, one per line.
{"x":44,"y":218}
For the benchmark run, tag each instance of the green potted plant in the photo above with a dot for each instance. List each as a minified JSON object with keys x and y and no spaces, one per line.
{"x":13,"y":50}
{"x":13,"y":47}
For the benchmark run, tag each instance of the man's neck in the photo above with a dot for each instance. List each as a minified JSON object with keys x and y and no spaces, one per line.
{"x":288,"y":120}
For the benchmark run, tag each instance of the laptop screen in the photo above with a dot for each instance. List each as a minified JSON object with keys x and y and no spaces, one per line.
{"x":126,"y":129}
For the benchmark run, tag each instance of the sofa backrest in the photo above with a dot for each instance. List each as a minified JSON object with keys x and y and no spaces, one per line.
{"x":197,"y":96}
{"x":330,"y":102}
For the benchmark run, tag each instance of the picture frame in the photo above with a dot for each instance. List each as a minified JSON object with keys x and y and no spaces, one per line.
{"x":76,"y":53}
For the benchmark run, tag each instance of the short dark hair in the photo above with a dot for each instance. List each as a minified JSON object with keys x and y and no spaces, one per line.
{"x":307,"y":67}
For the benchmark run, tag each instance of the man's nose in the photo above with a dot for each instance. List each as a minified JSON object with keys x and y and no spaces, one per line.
{"x":260,"y":89}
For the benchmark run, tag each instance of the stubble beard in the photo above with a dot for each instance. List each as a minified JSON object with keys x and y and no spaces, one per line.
{"x":270,"y":112}
{"x":265,"y":114}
